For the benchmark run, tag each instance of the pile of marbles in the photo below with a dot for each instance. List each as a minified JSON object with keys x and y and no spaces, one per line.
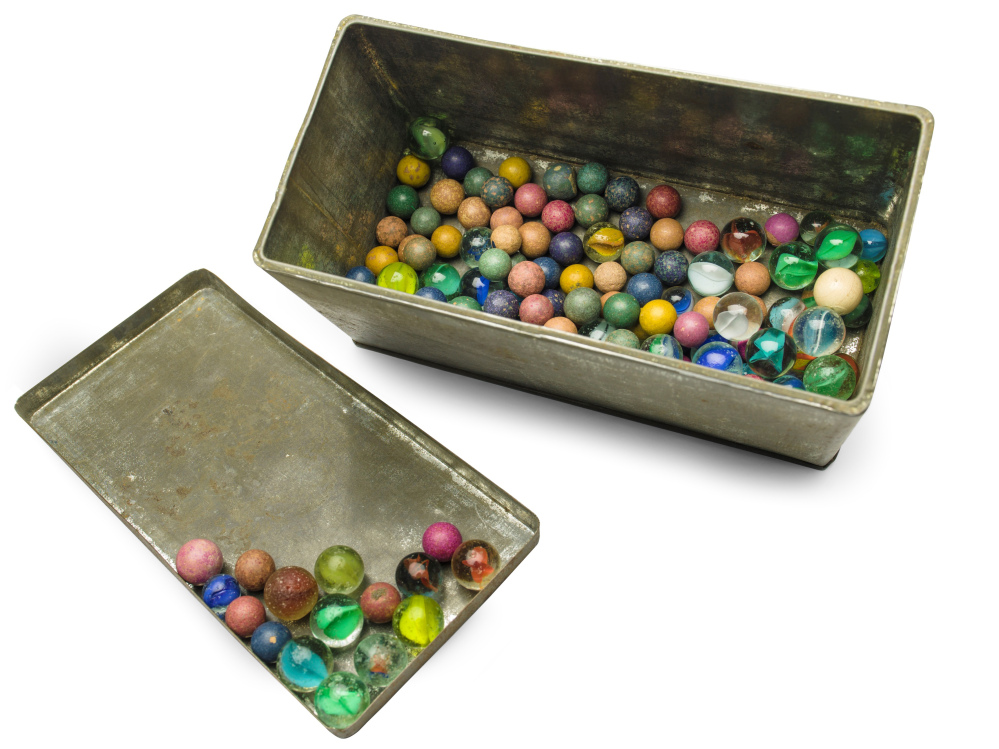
{"x":338,"y":614}
{"x":583,"y":253}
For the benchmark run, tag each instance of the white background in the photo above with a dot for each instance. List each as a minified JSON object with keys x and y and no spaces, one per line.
{"x":683,"y":593}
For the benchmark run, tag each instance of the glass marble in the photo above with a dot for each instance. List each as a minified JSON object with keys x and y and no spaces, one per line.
{"x":417,"y":621}
{"x":830,"y":375}
{"x":870,"y":275}
{"x":770,"y":353}
{"x":380,"y":658}
{"x":598,"y":330}
{"x":304,"y":663}
{"x":874,"y":245}
{"x":681,"y":298}
{"x":428,"y":137}
{"x":784,"y":311}
{"x":337,"y":620}
{"x":793,"y":265}
{"x":219,"y":592}
{"x":663,"y":344}
{"x":743,"y":240}
{"x":418,"y":574}
{"x":478,"y":288}
{"x":473,"y":243}
{"x":790,"y":381}
{"x":813,"y":223}
{"x":445,"y":277}
{"x":475,"y":563}
{"x":838,"y":246}
{"x":718,"y":355}
{"x":603,"y":242}
{"x":341,"y":698}
{"x":268,"y":639}
{"x":400,"y":277}
{"x":818,"y":331}
{"x":861,"y":314}
{"x":339,"y":569}
{"x":711,"y":273}
{"x":737,"y":316}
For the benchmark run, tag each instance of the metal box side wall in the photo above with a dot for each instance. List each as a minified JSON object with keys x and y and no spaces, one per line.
{"x":675,"y":394}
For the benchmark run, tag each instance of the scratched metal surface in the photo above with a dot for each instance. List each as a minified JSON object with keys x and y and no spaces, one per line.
{"x":730,"y":148}
{"x":198,"y":418}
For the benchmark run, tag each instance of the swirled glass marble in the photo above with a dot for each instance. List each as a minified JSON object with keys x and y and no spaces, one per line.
{"x":818,"y":331}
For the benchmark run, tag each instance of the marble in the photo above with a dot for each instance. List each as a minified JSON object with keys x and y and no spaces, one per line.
{"x":475,"y":563}
{"x":337,"y":620}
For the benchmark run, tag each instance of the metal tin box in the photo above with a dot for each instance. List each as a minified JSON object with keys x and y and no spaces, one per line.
{"x":198,"y":418}
{"x":730,"y":148}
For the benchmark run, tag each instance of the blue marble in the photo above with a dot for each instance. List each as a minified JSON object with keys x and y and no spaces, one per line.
{"x":681,"y":298}
{"x":268,"y":639}
{"x":557,"y":298}
{"x":429,"y":292}
{"x":790,"y":381}
{"x":360,"y":273}
{"x":456,"y":162}
{"x":566,"y":248}
{"x":715,"y":338}
{"x":621,"y":193}
{"x":874,"y":245}
{"x":818,"y":331}
{"x":552,"y":270}
{"x":720,"y":355}
{"x":644,"y":287}
{"x":671,"y":268}
{"x":636,"y":223}
{"x":503,"y":303}
{"x":219,"y":592}
{"x":474,"y":285}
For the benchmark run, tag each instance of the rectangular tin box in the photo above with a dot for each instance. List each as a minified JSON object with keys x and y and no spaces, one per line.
{"x":198,"y":418}
{"x":731,"y":148}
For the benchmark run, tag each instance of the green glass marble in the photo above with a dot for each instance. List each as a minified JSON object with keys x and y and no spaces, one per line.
{"x":474,"y":180}
{"x":623,"y":337}
{"x":870,"y":275}
{"x":590,"y":210}
{"x":380,"y":658}
{"x":861,"y":314}
{"x":341,"y":698}
{"x":770,"y":353}
{"x":813,"y":223}
{"x":830,"y":375}
{"x":838,"y":246}
{"x":467,"y":302}
{"x":417,"y":621}
{"x":303,"y":663}
{"x":339,"y":569}
{"x":793,"y":265}
{"x":443,"y":276}
{"x":428,"y":138}
{"x":402,"y":201}
{"x":425,"y":220}
{"x":400,"y":277}
{"x":337,"y":620}
{"x":603,"y":242}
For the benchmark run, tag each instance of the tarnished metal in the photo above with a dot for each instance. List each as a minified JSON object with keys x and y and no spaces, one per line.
{"x":197,"y":417}
{"x":730,"y":148}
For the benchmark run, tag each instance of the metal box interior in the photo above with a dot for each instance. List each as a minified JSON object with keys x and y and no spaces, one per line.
{"x":735,"y":148}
